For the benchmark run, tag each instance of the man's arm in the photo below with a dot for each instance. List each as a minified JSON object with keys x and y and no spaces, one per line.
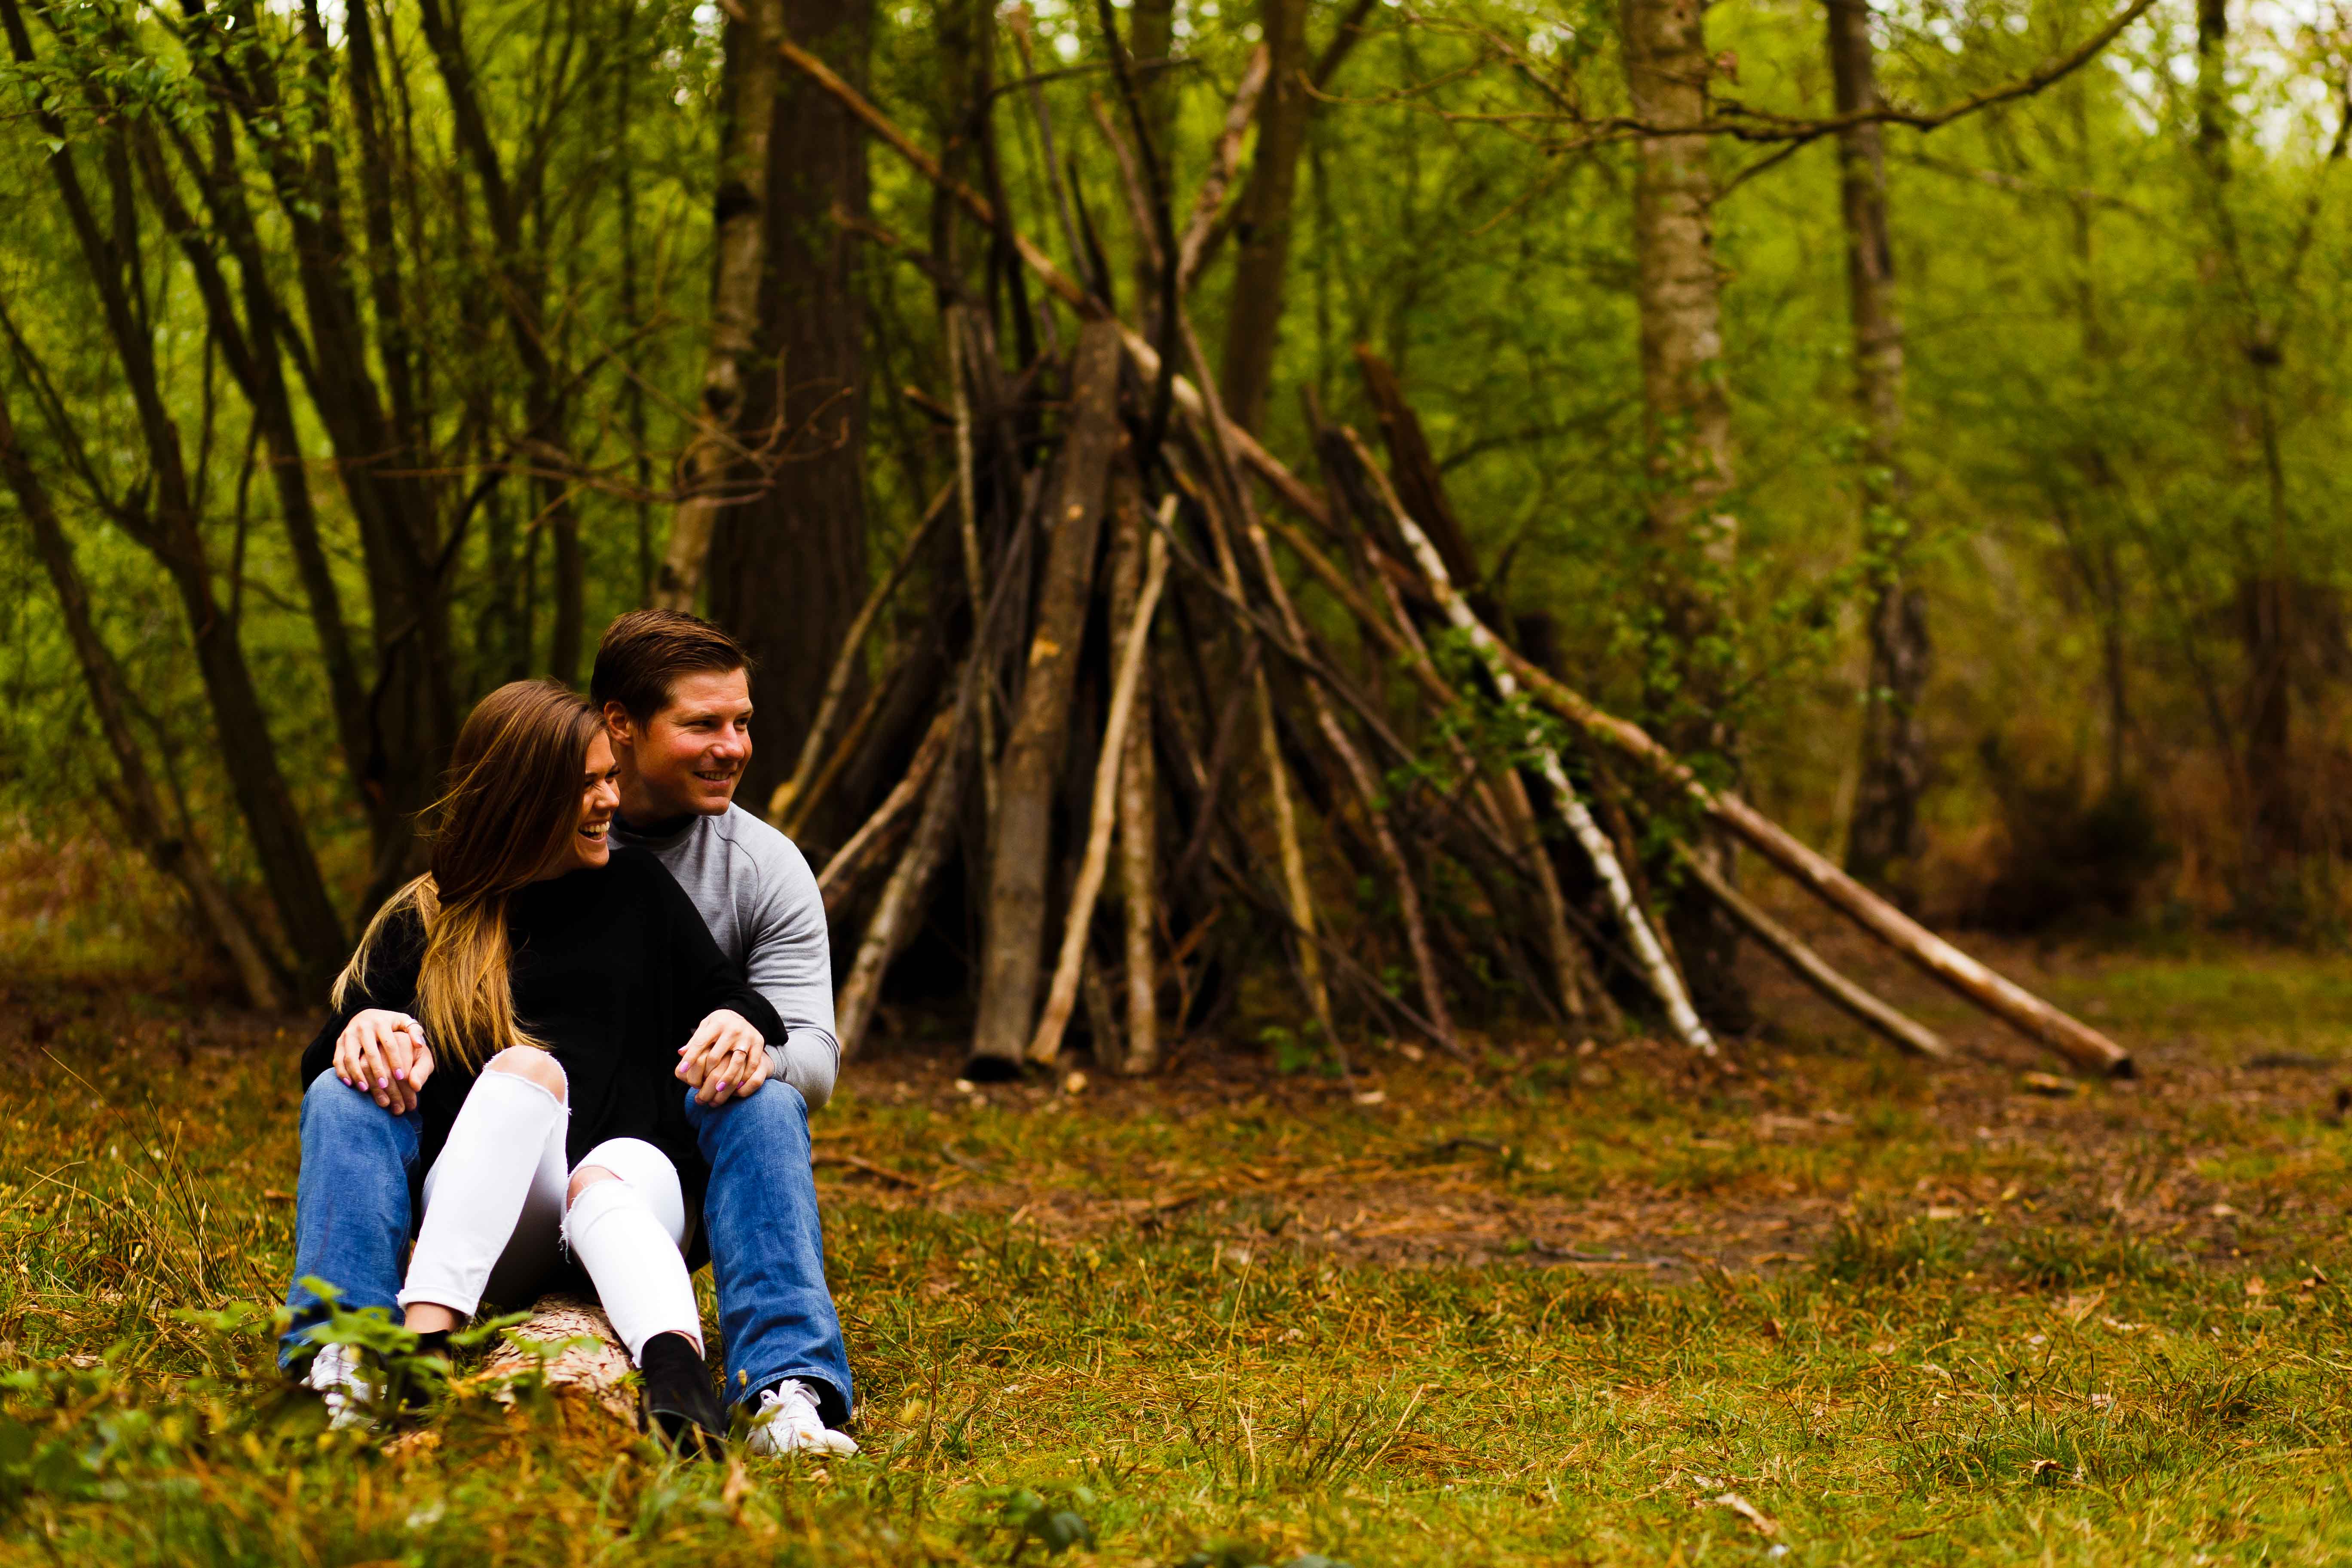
{"x":789,"y":960}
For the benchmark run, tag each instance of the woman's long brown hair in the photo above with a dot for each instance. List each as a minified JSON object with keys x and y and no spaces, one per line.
{"x":511,"y":803}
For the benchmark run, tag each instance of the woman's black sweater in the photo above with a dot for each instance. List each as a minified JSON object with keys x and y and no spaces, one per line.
{"x":613,"y":968}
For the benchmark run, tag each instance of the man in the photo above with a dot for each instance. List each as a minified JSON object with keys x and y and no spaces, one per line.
{"x":676,"y":694}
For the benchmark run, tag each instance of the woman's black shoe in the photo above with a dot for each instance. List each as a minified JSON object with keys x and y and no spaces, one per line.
{"x":680,"y":1403}
{"x":422,"y":1376}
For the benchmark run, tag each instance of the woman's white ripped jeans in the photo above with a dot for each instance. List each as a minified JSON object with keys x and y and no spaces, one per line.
{"x":501,"y":1200}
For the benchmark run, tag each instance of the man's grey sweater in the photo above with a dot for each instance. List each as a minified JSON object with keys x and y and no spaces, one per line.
{"x":760,"y":899}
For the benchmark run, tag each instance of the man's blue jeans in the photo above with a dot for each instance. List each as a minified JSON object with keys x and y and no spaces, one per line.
{"x":354,"y":1216}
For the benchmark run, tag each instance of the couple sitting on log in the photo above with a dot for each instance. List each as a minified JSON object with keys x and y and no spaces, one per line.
{"x":554,"y":1051}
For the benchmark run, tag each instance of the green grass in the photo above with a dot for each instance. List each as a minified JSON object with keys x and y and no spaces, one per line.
{"x":1901,"y":1316}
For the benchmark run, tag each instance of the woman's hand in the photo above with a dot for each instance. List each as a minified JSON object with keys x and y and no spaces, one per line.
{"x":383,"y":1055}
{"x":726,"y":1059}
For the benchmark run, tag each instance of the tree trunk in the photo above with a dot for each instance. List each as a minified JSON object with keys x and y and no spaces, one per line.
{"x":1254,"y":324}
{"x":1153,"y":37}
{"x":1884,"y":834}
{"x":2265,"y":591}
{"x":136,"y":802}
{"x":1678,"y":291}
{"x":739,"y":243}
{"x":788,"y":564}
{"x":1021,"y":858}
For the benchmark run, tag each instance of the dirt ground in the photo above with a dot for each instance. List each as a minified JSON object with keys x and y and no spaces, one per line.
{"x":1623,"y":1157}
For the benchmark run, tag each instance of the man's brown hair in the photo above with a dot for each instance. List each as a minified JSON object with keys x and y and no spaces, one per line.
{"x":644,"y":651}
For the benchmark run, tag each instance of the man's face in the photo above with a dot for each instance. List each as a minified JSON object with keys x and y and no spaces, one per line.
{"x":690,"y":755}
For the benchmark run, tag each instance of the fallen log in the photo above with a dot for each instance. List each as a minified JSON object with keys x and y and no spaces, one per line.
{"x":592,"y":1368}
{"x":1812,"y":969}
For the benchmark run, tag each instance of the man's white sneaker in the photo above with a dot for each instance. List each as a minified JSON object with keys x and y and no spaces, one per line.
{"x":350,"y":1395}
{"x":787,"y":1424}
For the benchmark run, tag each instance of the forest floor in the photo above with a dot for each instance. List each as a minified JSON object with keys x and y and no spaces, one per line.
{"x":1586,"y":1302}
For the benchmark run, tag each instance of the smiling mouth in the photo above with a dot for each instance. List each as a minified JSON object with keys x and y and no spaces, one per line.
{"x":723,"y":777}
{"x":595,"y":830}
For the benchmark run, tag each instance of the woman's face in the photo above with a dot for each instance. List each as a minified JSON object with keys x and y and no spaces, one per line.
{"x":599,"y":796}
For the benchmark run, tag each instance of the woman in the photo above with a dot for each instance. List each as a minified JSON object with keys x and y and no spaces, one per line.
{"x":555,"y":979}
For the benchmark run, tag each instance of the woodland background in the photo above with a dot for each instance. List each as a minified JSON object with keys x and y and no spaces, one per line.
{"x":1980,"y":517}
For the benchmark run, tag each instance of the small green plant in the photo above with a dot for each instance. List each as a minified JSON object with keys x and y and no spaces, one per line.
{"x":1296,"y":1051}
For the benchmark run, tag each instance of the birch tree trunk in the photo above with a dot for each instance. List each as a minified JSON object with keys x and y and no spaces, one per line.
{"x":1884,"y":836}
{"x":1678,"y":291}
{"x":1021,"y":858}
{"x":739,"y":243}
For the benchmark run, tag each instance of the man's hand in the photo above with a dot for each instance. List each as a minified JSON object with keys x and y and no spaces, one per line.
{"x":383,"y":1055}
{"x":727,"y":1058}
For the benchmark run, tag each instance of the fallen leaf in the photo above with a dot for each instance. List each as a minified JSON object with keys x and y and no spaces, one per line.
{"x":1373,"y":1097}
{"x":2049,"y":1083}
{"x":1075,"y":1084}
{"x":273,"y":1195}
{"x":2254,"y":1286}
{"x":2222,"y":1211}
{"x":1941,"y":1213}
{"x":1764,"y":1522}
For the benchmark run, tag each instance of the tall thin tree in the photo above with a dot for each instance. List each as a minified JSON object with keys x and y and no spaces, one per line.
{"x":1884,"y":836}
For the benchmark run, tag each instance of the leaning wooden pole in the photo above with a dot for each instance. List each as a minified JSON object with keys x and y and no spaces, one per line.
{"x":1286,"y":817}
{"x":1811,"y":968}
{"x":844,"y":669}
{"x":1046,"y":1043}
{"x":1020,"y":854}
{"x":1939,"y":959}
{"x":1630,"y":917}
{"x":2080,"y":1043}
{"x":1138,"y":794}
